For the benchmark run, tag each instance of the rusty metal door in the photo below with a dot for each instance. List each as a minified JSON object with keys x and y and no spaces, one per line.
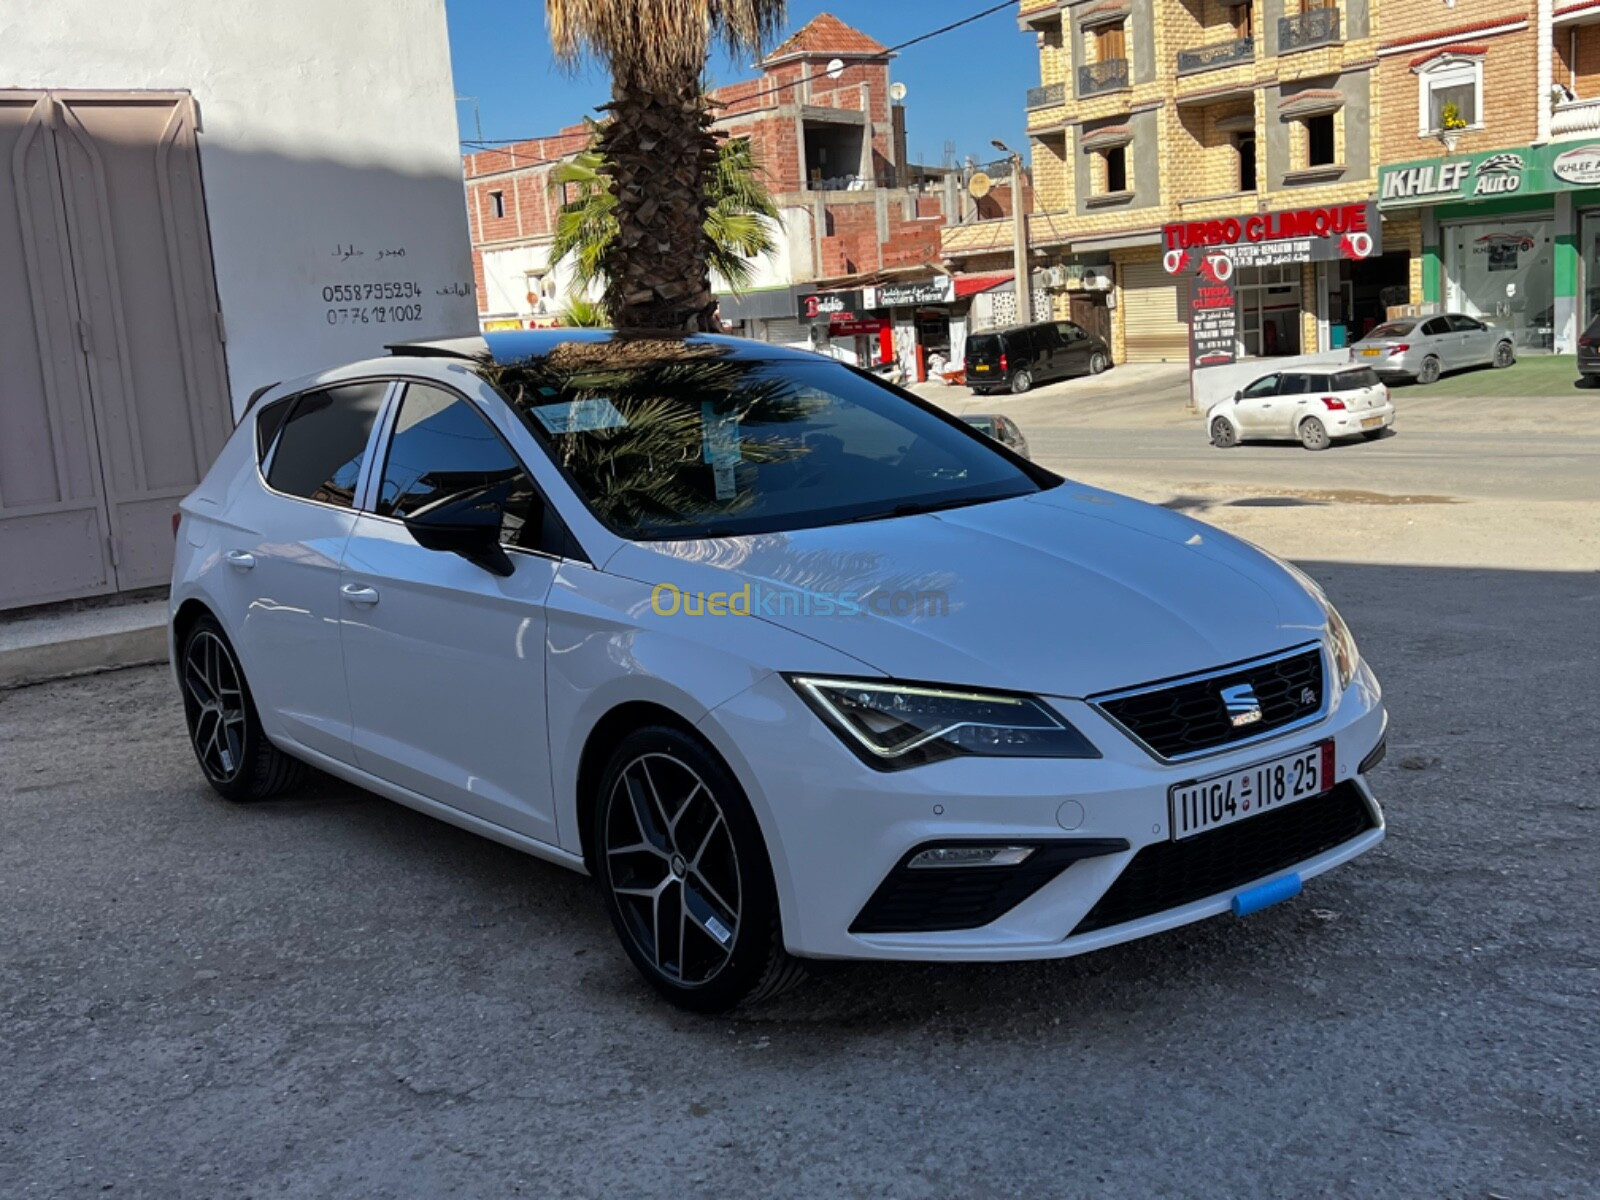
{"x":113,"y":387}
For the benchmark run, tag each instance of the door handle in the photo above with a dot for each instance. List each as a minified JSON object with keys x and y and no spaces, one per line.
{"x":242,"y":559}
{"x":359,"y":593}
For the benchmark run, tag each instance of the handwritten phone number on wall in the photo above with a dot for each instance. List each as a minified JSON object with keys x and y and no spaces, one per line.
{"x":355,"y":293}
{"x":378,"y":314}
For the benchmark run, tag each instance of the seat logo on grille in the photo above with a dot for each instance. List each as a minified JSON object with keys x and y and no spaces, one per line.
{"x":1242,"y":705}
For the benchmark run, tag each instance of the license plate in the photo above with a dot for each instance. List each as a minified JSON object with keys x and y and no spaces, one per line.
{"x":1371,"y":353}
{"x":1223,"y":799}
{"x":1371,"y":422}
{"x":981,"y":367}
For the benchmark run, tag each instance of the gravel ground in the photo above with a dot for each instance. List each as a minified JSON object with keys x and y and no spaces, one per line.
{"x":331,"y":995}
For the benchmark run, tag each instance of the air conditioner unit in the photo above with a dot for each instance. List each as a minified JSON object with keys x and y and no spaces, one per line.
{"x":1097,"y":279}
{"x":1053,"y":277}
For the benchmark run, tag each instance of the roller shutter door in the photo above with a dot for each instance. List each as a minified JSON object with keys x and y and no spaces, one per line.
{"x":1154,"y":305}
{"x":787,"y":331}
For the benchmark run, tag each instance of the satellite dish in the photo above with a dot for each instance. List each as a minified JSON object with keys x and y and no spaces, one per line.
{"x":897,"y":92}
{"x":978,"y":186}
{"x":835,"y":68}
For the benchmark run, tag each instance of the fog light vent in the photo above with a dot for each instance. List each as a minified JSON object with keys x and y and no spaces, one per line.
{"x":971,"y":856}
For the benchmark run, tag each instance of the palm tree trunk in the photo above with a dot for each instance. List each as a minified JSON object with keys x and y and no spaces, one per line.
{"x":658,"y":148}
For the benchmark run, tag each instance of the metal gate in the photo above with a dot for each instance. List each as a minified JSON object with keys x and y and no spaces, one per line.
{"x":113,"y":387}
{"x":1154,"y":314}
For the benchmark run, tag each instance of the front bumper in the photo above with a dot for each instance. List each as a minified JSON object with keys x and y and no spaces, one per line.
{"x":836,"y":829}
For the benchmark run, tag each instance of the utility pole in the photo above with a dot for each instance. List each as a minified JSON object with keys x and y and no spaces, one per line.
{"x":1019,"y":235}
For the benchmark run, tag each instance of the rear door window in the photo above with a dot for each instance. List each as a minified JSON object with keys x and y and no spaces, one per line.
{"x":268,"y":421}
{"x":1463,"y":324}
{"x":323,"y":442}
{"x":1300,"y":383}
{"x":1435,"y":327}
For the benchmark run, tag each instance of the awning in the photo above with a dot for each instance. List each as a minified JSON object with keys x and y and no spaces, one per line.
{"x":971,"y":285}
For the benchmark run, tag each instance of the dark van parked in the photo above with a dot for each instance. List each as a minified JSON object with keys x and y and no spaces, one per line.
{"x":1023,"y":355}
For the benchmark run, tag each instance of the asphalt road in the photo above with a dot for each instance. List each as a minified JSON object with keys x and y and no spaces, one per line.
{"x":331,"y":995}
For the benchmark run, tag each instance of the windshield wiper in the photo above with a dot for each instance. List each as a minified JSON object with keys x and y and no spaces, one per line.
{"x":914,"y":508}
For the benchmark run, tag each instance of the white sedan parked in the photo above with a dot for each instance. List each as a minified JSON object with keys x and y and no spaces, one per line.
{"x":795,"y":664}
{"x":1313,"y":406}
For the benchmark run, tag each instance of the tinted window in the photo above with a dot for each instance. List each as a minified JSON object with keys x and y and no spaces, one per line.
{"x":1435,"y":327}
{"x":1393,"y":329}
{"x":1361,"y":377}
{"x":985,"y":425}
{"x":443,"y":449}
{"x":323,"y":441}
{"x":1464,"y":324}
{"x":1071,"y":332}
{"x":268,"y":421}
{"x":1301,"y":384}
{"x":692,"y":443}
{"x":983,"y":347}
{"x":1267,"y":385}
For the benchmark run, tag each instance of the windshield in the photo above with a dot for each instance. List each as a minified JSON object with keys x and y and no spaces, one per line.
{"x":1346,"y":381}
{"x":1392,"y":329}
{"x":679,"y":440}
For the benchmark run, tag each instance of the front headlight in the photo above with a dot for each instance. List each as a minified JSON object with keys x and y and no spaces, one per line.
{"x":897,"y":725}
{"x":1342,"y":645}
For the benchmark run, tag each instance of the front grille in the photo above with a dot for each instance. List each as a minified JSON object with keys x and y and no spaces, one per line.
{"x":1171,"y":874}
{"x":929,"y":899}
{"x":1190,"y":717}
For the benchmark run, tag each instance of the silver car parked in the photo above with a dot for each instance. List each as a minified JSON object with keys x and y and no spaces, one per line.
{"x":1424,"y":348}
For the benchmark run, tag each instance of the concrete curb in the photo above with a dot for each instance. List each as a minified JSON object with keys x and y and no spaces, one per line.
{"x":82,"y":643}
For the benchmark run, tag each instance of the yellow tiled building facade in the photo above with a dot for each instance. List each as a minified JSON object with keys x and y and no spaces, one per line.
{"x":1457,"y":118}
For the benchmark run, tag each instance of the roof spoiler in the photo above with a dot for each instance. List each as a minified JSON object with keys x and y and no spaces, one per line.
{"x":469,"y":347}
{"x":256,"y":395}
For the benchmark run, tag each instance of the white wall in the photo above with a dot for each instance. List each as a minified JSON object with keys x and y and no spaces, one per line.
{"x":505,"y":280}
{"x":325,"y":125}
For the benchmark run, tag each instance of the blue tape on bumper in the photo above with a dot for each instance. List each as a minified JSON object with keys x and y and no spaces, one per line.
{"x":1267,"y":894}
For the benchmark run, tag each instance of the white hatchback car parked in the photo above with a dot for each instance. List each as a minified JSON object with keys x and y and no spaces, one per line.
{"x":1313,"y":406}
{"x":797,"y":665}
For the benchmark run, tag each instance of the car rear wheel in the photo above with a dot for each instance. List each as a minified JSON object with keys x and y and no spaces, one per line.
{"x":1223,"y":435}
{"x":224,"y":729}
{"x":1021,"y":382}
{"x":685,"y":876}
{"x":1505,"y":354}
{"x":1313,"y":434}
{"x":1430,"y":371}
{"x":1098,"y":362}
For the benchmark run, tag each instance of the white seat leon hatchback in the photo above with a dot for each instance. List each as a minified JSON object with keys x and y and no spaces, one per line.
{"x":794,"y":664}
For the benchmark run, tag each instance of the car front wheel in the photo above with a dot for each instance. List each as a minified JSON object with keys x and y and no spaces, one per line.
{"x":1098,"y":363}
{"x":1505,"y":354}
{"x":1223,"y":435}
{"x":684,"y":873}
{"x":224,"y":729}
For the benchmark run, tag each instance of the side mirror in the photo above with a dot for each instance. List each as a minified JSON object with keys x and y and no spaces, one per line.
{"x":467,"y":525}
{"x":1238,"y":396}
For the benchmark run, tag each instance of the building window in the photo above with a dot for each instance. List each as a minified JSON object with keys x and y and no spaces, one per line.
{"x":1449,"y":95}
{"x":1116,"y":169}
{"x":497,"y":203}
{"x":1245,"y":143}
{"x":1240,"y":18}
{"x":1110,"y":43}
{"x":1321,"y":144}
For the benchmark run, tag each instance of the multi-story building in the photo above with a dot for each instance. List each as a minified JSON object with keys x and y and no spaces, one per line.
{"x":1151,"y":113}
{"x":831,"y":139}
{"x":1491,"y":152}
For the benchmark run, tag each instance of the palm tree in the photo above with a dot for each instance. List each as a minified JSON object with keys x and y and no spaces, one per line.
{"x":657,"y":148}
{"x":739,"y":221}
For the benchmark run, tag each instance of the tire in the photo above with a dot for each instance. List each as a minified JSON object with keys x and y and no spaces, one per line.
{"x":1314,"y":434}
{"x":1021,"y":382}
{"x":650,"y":855}
{"x":224,"y":729}
{"x":1223,"y":435}
{"x":1430,"y":371}
{"x":1098,"y":363}
{"x":1505,"y":355}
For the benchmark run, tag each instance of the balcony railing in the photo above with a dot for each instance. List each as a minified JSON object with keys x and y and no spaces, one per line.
{"x":1317,"y":27}
{"x":1222,"y":54}
{"x":1575,"y":119}
{"x":1047,"y":96}
{"x":1105,"y":76}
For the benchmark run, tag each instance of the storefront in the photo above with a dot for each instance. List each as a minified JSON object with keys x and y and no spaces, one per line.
{"x":1511,"y":237}
{"x":1292,"y":278}
{"x":839,"y":326}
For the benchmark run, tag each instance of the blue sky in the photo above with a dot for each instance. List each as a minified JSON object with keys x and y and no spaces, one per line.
{"x":965,"y":87}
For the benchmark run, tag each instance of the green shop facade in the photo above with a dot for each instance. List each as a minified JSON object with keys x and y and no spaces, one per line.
{"x":1509,"y":236}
